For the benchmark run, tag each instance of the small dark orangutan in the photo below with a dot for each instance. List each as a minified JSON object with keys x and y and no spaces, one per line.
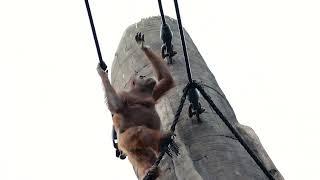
{"x":135,"y":118}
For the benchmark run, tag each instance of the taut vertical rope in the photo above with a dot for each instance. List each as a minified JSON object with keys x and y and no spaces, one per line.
{"x":102,"y":63}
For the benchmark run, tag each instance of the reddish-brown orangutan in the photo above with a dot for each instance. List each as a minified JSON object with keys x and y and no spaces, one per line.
{"x":135,"y":118}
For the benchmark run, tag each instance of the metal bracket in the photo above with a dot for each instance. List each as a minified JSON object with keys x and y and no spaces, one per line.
{"x":195,"y":106}
{"x":167,"y":47}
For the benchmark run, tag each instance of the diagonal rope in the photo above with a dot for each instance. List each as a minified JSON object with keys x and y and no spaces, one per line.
{"x":208,"y":99}
{"x":172,"y":129}
{"x":102,"y":63}
{"x":234,"y":131}
{"x":191,"y":84}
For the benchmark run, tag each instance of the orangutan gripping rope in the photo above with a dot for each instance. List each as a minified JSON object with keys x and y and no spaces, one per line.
{"x":135,"y":118}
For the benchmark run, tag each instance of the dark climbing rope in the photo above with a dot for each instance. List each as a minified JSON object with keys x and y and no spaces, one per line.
{"x":170,"y":146}
{"x":101,"y":62}
{"x":193,"y":84}
{"x":103,"y":65}
{"x":168,"y":150}
{"x":234,"y":131}
{"x":193,"y":96}
{"x":208,"y":99}
{"x":177,"y":115}
{"x":183,"y":43}
{"x":161,"y":12}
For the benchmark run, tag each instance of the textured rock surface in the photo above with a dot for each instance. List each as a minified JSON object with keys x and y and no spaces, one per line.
{"x":209,"y":151}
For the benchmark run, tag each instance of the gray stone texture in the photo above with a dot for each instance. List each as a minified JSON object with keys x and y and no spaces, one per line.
{"x":209,"y":151}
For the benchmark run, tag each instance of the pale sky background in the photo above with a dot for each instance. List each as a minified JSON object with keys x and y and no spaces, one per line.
{"x":53,"y":121}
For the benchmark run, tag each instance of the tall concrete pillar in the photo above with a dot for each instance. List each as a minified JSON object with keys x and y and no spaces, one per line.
{"x":209,"y":151}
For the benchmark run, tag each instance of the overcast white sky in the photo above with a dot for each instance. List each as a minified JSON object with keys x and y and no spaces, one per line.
{"x":53,"y":121}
